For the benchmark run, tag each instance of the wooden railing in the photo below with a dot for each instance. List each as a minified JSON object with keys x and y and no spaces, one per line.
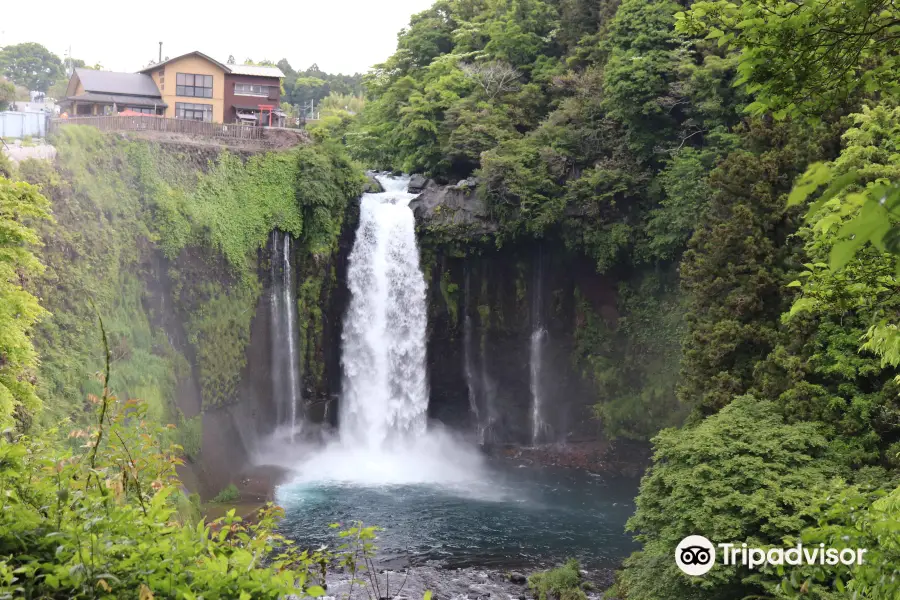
{"x":151,"y":123}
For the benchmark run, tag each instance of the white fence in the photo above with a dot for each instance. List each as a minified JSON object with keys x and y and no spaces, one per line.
{"x":20,"y":124}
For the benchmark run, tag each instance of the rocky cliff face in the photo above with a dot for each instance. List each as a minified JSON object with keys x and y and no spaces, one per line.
{"x":455,"y":208}
{"x":486,"y":304}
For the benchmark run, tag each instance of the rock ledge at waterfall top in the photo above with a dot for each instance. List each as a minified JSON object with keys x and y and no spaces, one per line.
{"x":456,"y":207}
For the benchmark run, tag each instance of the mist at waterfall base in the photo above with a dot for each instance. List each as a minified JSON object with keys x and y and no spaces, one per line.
{"x":432,"y":490}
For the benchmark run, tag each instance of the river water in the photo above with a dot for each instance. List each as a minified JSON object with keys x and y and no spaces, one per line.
{"x":519,"y":516}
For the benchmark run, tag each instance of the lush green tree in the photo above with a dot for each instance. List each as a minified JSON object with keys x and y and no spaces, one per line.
{"x":804,"y":58}
{"x":735,"y":270}
{"x":31,"y":65}
{"x":639,"y":72}
{"x":855,"y":518}
{"x":7,"y":94}
{"x":742,"y":475}
{"x":848,"y":294}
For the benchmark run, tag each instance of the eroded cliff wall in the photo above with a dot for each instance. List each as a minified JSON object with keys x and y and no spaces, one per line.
{"x":168,"y":243}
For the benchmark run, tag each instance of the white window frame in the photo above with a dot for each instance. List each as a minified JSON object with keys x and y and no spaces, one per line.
{"x":263,"y":90}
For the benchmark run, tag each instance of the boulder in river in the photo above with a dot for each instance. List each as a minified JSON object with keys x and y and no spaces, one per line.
{"x":417,"y":183}
{"x":372,"y":186}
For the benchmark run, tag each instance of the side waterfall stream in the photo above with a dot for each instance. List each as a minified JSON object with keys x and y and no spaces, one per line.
{"x":436,"y":495}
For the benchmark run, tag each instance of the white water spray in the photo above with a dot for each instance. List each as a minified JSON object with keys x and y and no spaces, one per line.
{"x":385,"y":388}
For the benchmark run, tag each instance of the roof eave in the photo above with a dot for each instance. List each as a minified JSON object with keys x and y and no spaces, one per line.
{"x":197,"y":52}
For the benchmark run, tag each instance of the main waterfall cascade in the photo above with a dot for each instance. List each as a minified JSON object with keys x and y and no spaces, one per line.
{"x":385,"y":387}
{"x":383,"y":438}
{"x":285,"y":362}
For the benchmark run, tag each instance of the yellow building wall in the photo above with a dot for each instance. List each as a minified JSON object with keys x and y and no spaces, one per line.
{"x":192,"y":65}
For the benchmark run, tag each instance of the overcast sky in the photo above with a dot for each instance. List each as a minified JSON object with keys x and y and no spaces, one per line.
{"x":341,"y":36}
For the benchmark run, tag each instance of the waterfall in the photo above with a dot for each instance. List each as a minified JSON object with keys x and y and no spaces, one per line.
{"x":536,"y":354}
{"x":480,"y":386}
{"x":385,"y":389}
{"x":285,"y":364}
{"x":468,"y":364}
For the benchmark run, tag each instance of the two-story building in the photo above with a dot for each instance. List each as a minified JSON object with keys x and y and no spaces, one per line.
{"x":190,"y":86}
{"x":195,"y":86}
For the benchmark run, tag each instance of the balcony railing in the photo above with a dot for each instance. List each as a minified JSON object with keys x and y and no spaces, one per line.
{"x":151,"y":123}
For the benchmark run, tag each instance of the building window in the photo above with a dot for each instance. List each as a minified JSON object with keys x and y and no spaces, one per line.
{"x":251,"y":89}
{"x":162,"y":79}
{"x":195,"y":112}
{"x":198,"y":86}
{"x":141,"y":109}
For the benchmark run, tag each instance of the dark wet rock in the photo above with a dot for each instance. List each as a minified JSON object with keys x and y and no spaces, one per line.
{"x":372,"y":186}
{"x":417,"y":183}
{"x":625,"y":458}
{"x":468,"y":583}
{"x":518,"y":578}
{"x":455,"y":207}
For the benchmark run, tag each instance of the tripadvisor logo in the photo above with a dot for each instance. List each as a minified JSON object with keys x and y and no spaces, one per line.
{"x":696,"y":555}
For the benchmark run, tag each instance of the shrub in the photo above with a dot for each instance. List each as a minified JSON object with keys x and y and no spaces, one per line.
{"x":106,"y":519}
{"x":742,"y":475}
{"x":562,"y":583}
{"x":229,"y":494}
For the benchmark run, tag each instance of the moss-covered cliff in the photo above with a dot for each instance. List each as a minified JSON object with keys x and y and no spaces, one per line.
{"x":168,"y":242}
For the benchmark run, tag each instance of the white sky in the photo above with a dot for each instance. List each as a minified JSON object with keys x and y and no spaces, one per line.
{"x":341,"y":36}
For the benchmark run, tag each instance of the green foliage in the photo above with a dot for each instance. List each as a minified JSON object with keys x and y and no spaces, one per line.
{"x":854,"y":518}
{"x":735,"y":268}
{"x":235,"y":205}
{"x":189,"y":435}
{"x":456,"y":86}
{"x":30,"y":65}
{"x":685,"y":183}
{"x":561,"y":583}
{"x":103,"y":521}
{"x":743,"y":474}
{"x":859,"y":196}
{"x":803,"y":58}
{"x":219,"y":330}
{"x":639,"y":70}
{"x":210,"y":225}
{"x":229,"y":494}
{"x":21,"y":208}
{"x":848,"y":295}
{"x":299,"y":87}
{"x":7,"y":94}
{"x":7,"y":167}
{"x":325,"y":181}
{"x":634,"y":362}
